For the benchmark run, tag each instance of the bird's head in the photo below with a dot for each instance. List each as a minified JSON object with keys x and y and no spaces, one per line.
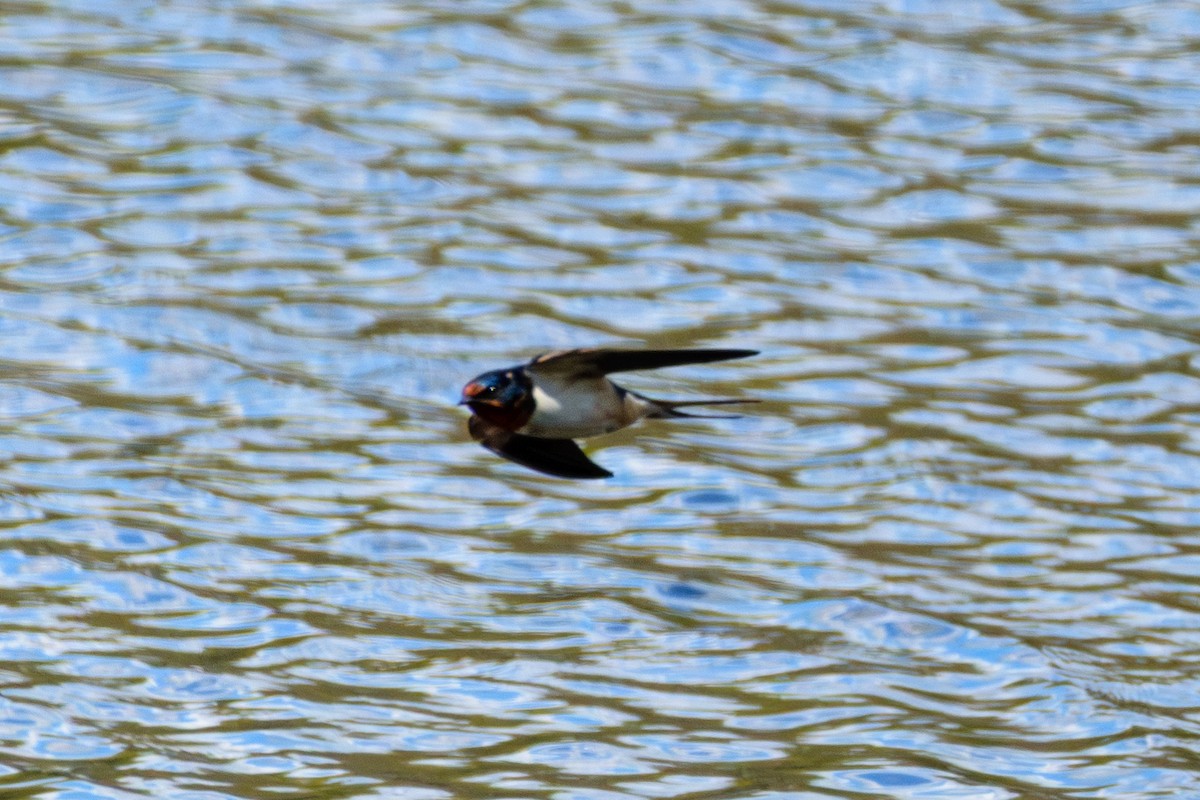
{"x":503,"y":397}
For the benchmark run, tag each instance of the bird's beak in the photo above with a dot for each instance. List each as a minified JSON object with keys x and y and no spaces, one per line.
{"x":468,"y":393}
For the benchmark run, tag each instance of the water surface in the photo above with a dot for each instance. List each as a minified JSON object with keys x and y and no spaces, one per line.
{"x":249,"y":252}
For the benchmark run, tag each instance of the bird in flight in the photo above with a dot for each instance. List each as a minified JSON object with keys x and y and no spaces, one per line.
{"x":531,"y":413}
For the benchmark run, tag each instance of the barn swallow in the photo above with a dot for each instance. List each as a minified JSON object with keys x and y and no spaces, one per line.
{"x":531,"y":413}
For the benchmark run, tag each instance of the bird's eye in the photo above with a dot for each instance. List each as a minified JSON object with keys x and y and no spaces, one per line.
{"x":489,"y":390}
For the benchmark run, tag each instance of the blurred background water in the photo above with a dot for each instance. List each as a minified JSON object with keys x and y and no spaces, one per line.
{"x":251,"y":249}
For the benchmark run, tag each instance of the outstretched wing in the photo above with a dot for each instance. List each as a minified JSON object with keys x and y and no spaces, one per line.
{"x":595,"y":362}
{"x":561,"y":458}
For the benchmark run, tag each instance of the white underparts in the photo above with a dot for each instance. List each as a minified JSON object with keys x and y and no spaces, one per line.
{"x":576,"y":409}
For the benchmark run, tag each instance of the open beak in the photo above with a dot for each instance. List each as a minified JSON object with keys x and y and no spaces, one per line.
{"x":470,"y":393}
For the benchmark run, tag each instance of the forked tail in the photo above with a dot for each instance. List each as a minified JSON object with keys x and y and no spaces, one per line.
{"x":670,"y":408}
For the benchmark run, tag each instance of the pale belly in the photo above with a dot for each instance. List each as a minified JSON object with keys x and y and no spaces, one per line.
{"x":578,"y":409}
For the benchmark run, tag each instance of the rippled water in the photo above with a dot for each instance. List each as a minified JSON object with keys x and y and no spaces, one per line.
{"x":250,"y":250}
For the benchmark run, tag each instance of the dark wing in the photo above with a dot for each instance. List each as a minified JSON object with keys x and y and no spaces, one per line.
{"x":559,"y":457}
{"x":594,"y":362}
